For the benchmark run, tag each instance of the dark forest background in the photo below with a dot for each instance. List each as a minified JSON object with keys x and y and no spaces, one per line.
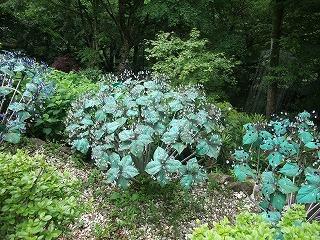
{"x":274,"y":45}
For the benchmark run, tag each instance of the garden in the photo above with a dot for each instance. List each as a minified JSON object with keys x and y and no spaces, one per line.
{"x":159,"y":120}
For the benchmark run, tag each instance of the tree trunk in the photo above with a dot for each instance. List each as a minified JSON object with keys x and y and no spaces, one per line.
{"x":277,"y":21}
{"x":124,"y":56}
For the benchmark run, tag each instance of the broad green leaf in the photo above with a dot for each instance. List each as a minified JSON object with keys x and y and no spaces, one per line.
{"x":170,"y":136}
{"x":129,"y":171}
{"x":268,"y":184}
{"x":273,"y":217}
{"x":112,"y":174}
{"x":179,"y":147}
{"x":87,"y":121}
{"x":308,"y":194}
{"x":160,"y":155}
{"x":175,"y":105}
{"x":305,"y":137}
{"x":110,"y":106}
{"x":265,"y":134}
{"x":145,"y":139}
{"x":162,"y":178}
{"x":172,"y":165}
{"x":98,"y":134}
{"x":114,"y":159}
{"x":278,"y":200}
{"x":126,"y":135}
{"x":193,"y":166}
{"x":4,"y":91}
{"x":23,"y":115}
{"x":243,"y":171}
{"x":112,"y":127}
{"x":12,"y":137}
{"x":137,"y":148}
{"x":90,"y":103}
{"x":16,"y":107}
{"x":186,"y":181}
{"x":81,"y":145}
{"x":267,"y":144}
{"x":275,"y":159}
{"x":264,"y":204}
{"x":287,"y":149}
{"x":186,"y":135}
{"x":312,"y":175}
{"x":290,"y":169}
{"x":240,"y":155}
{"x":213,"y":151}
{"x":250,"y":137}
{"x":126,"y":161}
{"x":202,"y":148}
{"x":153,"y":167}
{"x":100,"y":115}
{"x":312,"y":145}
{"x":287,"y":186}
{"x":151,"y":116}
{"x":143,"y":101}
{"x":123,"y":183}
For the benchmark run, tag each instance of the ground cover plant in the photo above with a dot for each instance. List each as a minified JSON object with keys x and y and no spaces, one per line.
{"x":293,"y":226}
{"x":36,"y":201}
{"x":23,"y":89}
{"x":145,"y":126}
{"x":283,"y":158}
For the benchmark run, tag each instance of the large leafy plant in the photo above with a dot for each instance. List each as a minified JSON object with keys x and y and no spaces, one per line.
{"x":36,"y":201}
{"x":146,"y":126}
{"x":282,"y":156}
{"x":22,"y":89}
{"x":293,"y":226}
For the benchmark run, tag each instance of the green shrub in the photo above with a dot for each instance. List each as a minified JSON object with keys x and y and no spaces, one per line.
{"x":22,"y":89}
{"x":188,"y":61}
{"x":282,"y":157}
{"x":145,"y":126}
{"x":36,"y":202}
{"x":251,"y":226}
{"x":69,"y":86}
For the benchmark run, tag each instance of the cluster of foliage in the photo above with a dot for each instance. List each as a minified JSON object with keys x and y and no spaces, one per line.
{"x":36,"y":202}
{"x":292,"y":226}
{"x":144,"y":125}
{"x":233,"y":121}
{"x":51,"y":119}
{"x":23,"y":89}
{"x":190,"y":62}
{"x":282,"y":158}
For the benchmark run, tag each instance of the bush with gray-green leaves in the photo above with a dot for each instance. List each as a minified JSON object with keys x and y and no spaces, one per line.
{"x":145,"y":126}
{"x":22,"y":89}
{"x":283,"y":158}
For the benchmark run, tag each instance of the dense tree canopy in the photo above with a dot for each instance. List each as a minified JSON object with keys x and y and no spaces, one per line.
{"x":276,"y":42}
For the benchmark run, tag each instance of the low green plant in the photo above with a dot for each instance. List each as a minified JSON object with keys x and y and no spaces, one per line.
{"x":22,"y":89}
{"x":251,"y":226}
{"x":146,"y":126}
{"x":36,"y":202}
{"x":188,"y":61}
{"x":282,"y":157}
{"x":69,"y":86}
